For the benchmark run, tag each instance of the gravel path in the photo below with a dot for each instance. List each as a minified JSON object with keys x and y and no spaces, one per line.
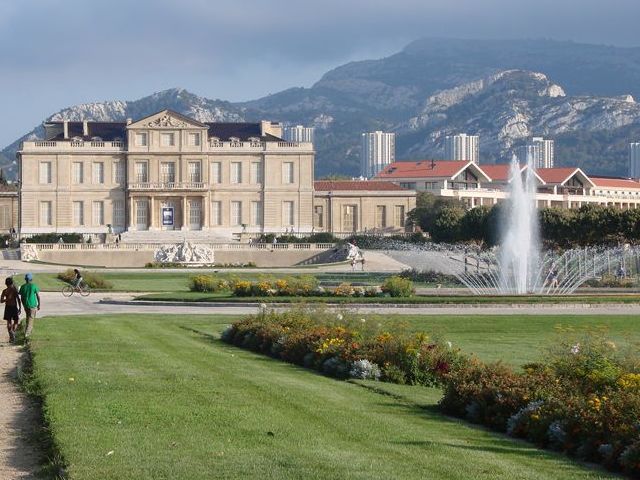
{"x":19,"y":456}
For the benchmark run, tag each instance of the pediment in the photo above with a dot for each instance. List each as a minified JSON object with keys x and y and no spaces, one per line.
{"x":167,"y":119}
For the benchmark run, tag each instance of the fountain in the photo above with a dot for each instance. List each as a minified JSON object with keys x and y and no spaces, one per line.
{"x":519,"y":266}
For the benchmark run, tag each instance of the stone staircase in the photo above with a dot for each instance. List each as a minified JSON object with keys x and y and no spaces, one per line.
{"x":173,"y":236}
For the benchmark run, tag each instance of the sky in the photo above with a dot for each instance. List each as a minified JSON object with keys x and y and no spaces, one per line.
{"x":57,"y":53}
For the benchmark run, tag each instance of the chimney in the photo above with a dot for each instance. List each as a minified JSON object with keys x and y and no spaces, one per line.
{"x":271,"y":128}
{"x":65,"y":129}
{"x":85,"y":128}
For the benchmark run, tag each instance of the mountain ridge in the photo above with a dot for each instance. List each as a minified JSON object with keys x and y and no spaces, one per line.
{"x":433,"y":87}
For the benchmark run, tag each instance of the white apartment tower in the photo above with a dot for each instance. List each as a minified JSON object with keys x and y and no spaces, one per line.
{"x":378,"y":151}
{"x":540,"y":151}
{"x":634,"y":160}
{"x":299,"y":134}
{"x":462,"y":147}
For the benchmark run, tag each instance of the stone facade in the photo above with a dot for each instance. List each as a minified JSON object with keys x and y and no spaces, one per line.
{"x":170,"y":172}
{"x":166,"y":172}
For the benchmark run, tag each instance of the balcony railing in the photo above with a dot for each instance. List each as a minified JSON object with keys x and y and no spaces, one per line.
{"x":167,"y":186}
{"x":92,"y":145}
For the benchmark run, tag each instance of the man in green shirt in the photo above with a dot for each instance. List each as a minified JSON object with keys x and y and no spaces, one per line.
{"x":30,"y":296}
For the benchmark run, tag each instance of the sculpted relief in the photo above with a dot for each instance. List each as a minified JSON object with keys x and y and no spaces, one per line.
{"x":167,"y":120}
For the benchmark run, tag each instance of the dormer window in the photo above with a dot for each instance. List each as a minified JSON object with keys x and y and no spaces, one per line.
{"x":96,"y":139}
{"x":76,"y":139}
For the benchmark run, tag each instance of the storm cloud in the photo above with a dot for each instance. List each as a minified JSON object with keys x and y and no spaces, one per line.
{"x":55,"y":53}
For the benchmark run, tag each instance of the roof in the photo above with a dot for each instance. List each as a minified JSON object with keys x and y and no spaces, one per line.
{"x":243,"y":131}
{"x":558,"y":175}
{"x":107,"y":131}
{"x":499,"y":172}
{"x":423,"y":168}
{"x":611,"y":182}
{"x":361,"y":185}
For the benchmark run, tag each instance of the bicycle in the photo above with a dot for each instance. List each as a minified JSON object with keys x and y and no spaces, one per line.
{"x":83,"y":289}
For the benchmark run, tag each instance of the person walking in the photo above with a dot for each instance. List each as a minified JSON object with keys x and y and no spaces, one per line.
{"x":11,"y":299}
{"x":30,"y":296}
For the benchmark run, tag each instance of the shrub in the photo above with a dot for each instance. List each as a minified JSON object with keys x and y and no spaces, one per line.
{"x":55,"y":238}
{"x":208,"y":284}
{"x":93,"y":280}
{"x":430,"y":276}
{"x":365,"y":370}
{"x":398,"y":287}
{"x":242,"y":288}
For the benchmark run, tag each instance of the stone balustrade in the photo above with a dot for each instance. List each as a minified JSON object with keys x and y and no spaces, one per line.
{"x":154,"y":246}
{"x":173,"y":186}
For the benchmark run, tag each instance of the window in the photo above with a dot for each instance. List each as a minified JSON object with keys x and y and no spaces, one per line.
{"x":236,"y":172}
{"x":98,"y":172}
{"x":399,"y":216}
{"x":216,"y":172}
{"x":287,"y":172}
{"x":318,"y":216}
{"x":45,"y":172}
{"x":142,"y":140}
{"x":98,"y":213}
{"x":408,"y":185}
{"x":216,"y":213}
{"x":381,"y":216}
{"x":256,"y":172}
{"x":142,"y":214}
{"x":78,"y":214}
{"x":236,"y":213}
{"x":256,"y":213}
{"x":195,"y":174}
{"x":193,"y":140}
{"x":168,"y":172}
{"x":45,"y":214}
{"x":142,"y":172}
{"x":195,"y":214}
{"x":118,"y":172}
{"x":5,"y":217}
{"x":118,"y":213}
{"x":167,"y":139}
{"x":78,"y":172}
{"x":287,"y":213}
{"x":349,"y":218}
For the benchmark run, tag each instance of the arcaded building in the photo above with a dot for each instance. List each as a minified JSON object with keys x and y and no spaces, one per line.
{"x":168,"y":172}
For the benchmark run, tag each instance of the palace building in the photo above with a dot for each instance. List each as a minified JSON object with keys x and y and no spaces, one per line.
{"x":168,"y":172}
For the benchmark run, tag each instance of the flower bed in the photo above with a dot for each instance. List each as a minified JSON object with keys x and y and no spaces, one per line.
{"x":298,"y":286}
{"x":92,"y":279}
{"x":343,"y":345}
{"x":583,"y":401}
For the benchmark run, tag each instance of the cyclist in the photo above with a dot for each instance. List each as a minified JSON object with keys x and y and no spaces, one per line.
{"x":77,"y":281}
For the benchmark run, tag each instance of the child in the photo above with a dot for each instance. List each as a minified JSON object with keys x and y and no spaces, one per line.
{"x":11,"y":299}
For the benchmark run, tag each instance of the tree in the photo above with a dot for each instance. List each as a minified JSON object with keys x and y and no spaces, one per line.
{"x":474,"y":224}
{"x":428,"y":206}
{"x":446,"y":225}
{"x":556,"y":226}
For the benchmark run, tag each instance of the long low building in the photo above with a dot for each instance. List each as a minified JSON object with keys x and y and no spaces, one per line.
{"x":476,"y":185}
{"x":168,"y":172}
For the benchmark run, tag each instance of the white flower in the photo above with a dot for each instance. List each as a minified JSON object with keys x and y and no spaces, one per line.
{"x":363,"y":320}
{"x":339,"y":317}
{"x":263,"y":306}
{"x":575,"y":349}
{"x":449,"y":344}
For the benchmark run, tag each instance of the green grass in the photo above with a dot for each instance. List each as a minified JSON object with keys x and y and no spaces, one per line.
{"x":169,"y":280}
{"x":172,"y":401}
{"x":186,"y":296}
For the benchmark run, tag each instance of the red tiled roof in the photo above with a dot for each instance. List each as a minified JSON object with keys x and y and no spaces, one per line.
{"x":423,"y":168}
{"x":362,"y":185}
{"x":556,"y":175}
{"x":498,"y":172}
{"x":615,"y":182}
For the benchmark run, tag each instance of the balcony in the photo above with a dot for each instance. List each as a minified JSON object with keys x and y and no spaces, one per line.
{"x":174,"y":186}
{"x":71,"y":146}
{"x":247,"y":146}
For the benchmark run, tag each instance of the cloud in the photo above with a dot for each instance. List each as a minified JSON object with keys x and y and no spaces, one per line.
{"x":60,"y":52}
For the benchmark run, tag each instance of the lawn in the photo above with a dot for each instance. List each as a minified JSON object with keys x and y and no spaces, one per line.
{"x":169,"y":280}
{"x":150,"y":397}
